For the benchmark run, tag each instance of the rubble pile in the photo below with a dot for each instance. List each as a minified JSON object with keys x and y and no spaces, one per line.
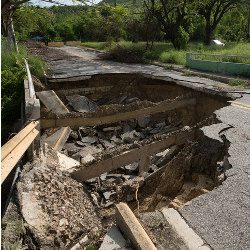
{"x":55,"y":207}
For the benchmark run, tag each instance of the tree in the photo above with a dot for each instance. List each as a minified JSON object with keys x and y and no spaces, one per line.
{"x":213,"y":11}
{"x":172,"y":16}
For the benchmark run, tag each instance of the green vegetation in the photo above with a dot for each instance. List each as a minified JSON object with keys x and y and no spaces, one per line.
{"x":238,"y":83}
{"x":165,"y":52}
{"x":13,"y":73}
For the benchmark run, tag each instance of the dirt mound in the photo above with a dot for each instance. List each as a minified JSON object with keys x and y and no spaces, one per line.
{"x":55,"y":207}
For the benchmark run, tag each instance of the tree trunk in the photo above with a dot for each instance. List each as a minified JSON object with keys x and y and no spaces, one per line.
{"x":8,"y":28}
{"x":208,"y":34}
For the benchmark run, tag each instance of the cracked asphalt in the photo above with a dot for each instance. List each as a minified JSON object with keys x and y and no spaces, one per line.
{"x":222,"y":216}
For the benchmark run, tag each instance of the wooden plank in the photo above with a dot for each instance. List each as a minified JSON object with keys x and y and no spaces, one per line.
{"x":74,"y":122}
{"x":52,"y":102}
{"x":134,"y":155}
{"x":132,"y":228}
{"x":11,"y":159}
{"x":58,"y":139}
{"x":18,"y":138}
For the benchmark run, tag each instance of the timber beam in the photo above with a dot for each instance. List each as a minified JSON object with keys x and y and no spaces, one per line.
{"x":75,"y":122}
{"x":140,"y":155}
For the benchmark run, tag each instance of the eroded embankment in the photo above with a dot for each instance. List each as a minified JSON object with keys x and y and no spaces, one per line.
{"x":133,"y":139}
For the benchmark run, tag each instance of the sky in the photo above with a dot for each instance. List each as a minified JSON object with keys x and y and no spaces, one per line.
{"x":67,"y":2}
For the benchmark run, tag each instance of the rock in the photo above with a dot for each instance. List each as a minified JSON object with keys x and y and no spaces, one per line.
{"x":113,"y":240}
{"x":133,"y":99}
{"x":74,"y":135}
{"x":63,"y":222}
{"x":116,"y":140}
{"x":112,"y":129}
{"x":143,"y":122}
{"x":153,"y":168}
{"x":129,"y":137}
{"x":90,"y":140}
{"x":81,"y":144}
{"x":126,"y":128}
{"x":108,"y":194}
{"x":109,"y":204}
{"x":67,"y":162}
{"x":71,"y":148}
{"x":122,"y":99}
{"x":82,"y":103}
{"x":85,"y":151}
{"x":92,"y":180}
{"x":103,"y":176}
{"x":87,"y":131}
{"x":95,"y":200}
{"x":114,"y":175}
{"x":132,"y":167}
{"x":87,"y":159}
{"x":106,"y":144}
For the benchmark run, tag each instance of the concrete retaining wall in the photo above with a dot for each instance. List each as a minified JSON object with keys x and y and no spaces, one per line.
{"x":242,"y":69}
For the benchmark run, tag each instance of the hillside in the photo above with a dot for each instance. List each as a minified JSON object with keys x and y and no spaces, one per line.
{"x":128,"y":3}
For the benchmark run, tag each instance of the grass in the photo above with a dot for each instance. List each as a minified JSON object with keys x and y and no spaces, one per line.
{"x":238,"y":83}
{"x":165,"y":52}
{"x":13,"y":73}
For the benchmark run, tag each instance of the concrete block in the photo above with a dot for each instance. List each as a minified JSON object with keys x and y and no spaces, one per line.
{"x":113,"y":240}
{"x":52,"y":102}
{"x":190,"y":238}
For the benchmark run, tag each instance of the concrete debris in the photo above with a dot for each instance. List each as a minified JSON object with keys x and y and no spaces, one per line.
{"x":114,"y":240}
{"x":129,"y":137}
{"x":81,"y":144}
{"x":143,"y":122}
{"x":52,"y":102}
{"x":55,"y":207}
{"x":85,"y":151}
{"x":103,"y":177}
{"x":112,"y":129}
{"x":106,"y":144}
{"x":87,"y":159}
{"x":90,"y":140}
{"x":82,"y":103}
{"x":67,"y":162}
{"x":132,"y":167}
{"x":74,"y":135}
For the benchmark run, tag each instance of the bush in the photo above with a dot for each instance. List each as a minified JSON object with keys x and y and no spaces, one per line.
{"x":181,"y":42}
{"x":13,"y":73}
{"x":173,"y":57}
{"x":128,"y":54}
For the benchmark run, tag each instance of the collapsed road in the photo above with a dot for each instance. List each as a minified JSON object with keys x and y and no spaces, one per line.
{"x":175,"y":148}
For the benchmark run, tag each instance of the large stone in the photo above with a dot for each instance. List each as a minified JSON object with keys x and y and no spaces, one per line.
{"x":113,"y":240}
{"x":143,"y":122}
{"x":82,"y":103}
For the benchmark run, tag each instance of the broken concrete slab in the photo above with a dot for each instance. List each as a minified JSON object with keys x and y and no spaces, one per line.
{"x":86,"y":151}
{"x":82,"y":103}
{"x":67,"y":162}
{"x":114,"y":240}
{"x":52,"y":102}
